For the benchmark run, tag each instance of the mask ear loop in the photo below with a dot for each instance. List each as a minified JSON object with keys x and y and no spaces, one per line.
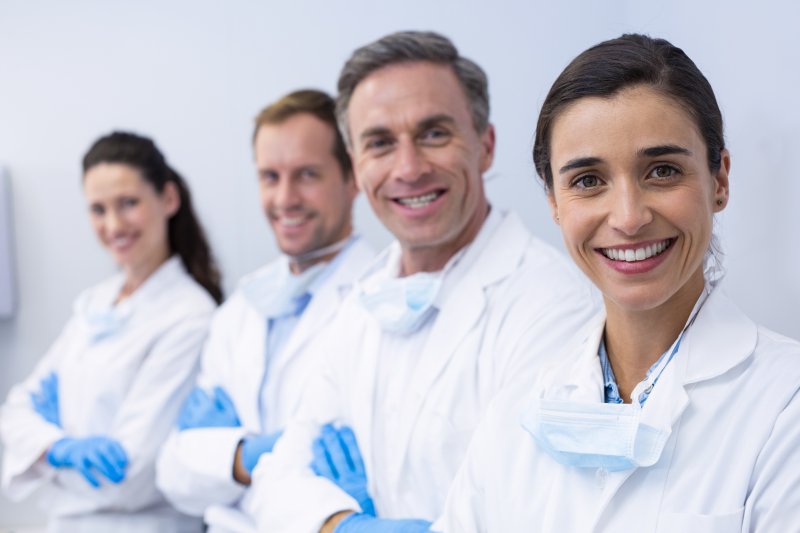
{"x":320,"y":252}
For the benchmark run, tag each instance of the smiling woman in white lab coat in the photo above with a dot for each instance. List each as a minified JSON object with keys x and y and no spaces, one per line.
{"x":83,"y":430}
{"x":677,"y":412}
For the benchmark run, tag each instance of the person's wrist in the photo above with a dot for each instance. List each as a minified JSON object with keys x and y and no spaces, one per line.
{"x":240,"y":473}
{"x":334,"y":520}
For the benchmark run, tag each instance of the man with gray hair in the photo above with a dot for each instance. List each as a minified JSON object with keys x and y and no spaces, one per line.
{"x":462,"y":304}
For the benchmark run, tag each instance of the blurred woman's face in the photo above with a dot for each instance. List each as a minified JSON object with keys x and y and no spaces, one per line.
{"x":129,"y":216}
{"x":634,"y":196}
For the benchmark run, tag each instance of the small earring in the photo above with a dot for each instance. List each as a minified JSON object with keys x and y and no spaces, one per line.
{"x":719,"y":202}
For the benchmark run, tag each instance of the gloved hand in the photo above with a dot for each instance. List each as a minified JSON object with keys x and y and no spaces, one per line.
{"x":255,"y":445}
{"x":361,"y":523}
{"x":202,"y":411}
{"x":45,"y":402}
{"x":103,"y":454}
{"x":338,"y":458}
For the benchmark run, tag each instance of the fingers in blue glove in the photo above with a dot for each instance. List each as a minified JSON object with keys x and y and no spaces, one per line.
{"x":45,"y":401}
{"x":50,"y":385}
{"x":362,"y":523}
{"x":338,"y":458}
{"x":222,"y":401}
{"x":322,"y":465}
{"x":352,"y":452}
{"x":201,"y":410}
{"x":255,"y":446}
{"x":88,"y":455}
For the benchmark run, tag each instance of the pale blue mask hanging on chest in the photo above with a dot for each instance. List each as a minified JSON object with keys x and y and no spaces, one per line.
{"x":402,"y":305}
{"x":281,"y":295}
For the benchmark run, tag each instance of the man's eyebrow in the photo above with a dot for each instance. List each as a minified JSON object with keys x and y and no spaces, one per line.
{"x":664,"y":149}
{"x":579,"y":162}
{"x":434,"y":120}
{"x":375,"y":130}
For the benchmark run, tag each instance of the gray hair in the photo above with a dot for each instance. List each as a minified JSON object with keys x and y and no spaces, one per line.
{"x":411,"y":46}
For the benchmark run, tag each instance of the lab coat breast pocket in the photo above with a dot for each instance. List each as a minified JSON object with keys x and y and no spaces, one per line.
{"x":717,"y":523}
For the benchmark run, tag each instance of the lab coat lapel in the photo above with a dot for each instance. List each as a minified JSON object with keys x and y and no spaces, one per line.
{"x":249,"y":376}
{"x":493,"y":256}
{"x":325,"y":303}
{"x":721,"y":338}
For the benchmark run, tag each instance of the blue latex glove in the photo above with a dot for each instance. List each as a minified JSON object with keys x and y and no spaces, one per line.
{"x":203,"y":411}
{"x":338,"y":458}
{"x":255,"y":445}
{"x":89,"y":455}
{"x":361,"y":523}
{"x":45,"y":402}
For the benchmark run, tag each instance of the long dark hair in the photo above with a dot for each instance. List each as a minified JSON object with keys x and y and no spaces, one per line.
{"x":185,"y":234}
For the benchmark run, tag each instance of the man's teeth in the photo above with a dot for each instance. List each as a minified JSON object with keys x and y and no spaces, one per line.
{"x":639,"y":254}
{"x":415,"y":202}
{"x":294,"y":221}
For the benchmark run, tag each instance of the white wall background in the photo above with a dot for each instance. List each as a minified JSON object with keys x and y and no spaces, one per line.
{"x":193,"y":73}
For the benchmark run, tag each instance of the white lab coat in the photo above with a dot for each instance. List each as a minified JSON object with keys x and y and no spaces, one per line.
{"x":195,"y":466}
{"x":128,"y":386}
{"x":731,"y":462}
{"x":507,"y":303}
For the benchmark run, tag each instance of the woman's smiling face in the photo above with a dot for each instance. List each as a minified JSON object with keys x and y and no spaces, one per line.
{"x":634,"y":195}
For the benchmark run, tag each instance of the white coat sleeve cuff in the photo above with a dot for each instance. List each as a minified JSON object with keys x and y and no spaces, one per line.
{"x":195,"y":468}
{"x":316,"y":499}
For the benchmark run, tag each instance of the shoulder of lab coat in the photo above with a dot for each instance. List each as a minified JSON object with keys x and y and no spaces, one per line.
{"x":175,"y":311}
{"x":725,"y":357}
{"x":195,"y":466}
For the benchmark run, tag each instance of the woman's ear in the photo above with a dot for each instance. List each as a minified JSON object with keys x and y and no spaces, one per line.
{"x":551,"y":200}
{"x":721,"y":183}
{"x":171,"y":197}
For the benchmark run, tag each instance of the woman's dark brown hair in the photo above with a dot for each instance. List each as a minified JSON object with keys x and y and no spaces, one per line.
{"x":185,"y":234}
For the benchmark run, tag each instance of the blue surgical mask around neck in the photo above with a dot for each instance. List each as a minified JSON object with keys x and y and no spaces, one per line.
{"x":402,"y":305}
{"x":281,"y":295}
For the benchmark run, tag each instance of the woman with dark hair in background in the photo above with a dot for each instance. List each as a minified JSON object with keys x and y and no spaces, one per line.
{"x":675,"y":412}
{"x":82,"y":432}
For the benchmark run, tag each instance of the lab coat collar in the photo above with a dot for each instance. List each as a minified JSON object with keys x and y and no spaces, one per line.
{"x":101,"y":299}
{"x":721,"y":338}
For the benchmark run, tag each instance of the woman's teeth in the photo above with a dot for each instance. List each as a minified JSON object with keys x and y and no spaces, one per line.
{"x":639,"y":254}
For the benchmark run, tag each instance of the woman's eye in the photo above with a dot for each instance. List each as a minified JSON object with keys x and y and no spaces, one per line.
{"x":663,"y":171}
{"x":96,"y":210}
{"x":129,"y":202}
{"x":586,"y":182}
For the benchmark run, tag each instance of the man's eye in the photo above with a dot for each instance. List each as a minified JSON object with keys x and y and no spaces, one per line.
{"x":308,"y":173}
{"x":129,"y":202}
{"x":377,"y":143}
{"x":435,"y":135}
{"x":269,"y":176}
{"x":96,"y":209}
